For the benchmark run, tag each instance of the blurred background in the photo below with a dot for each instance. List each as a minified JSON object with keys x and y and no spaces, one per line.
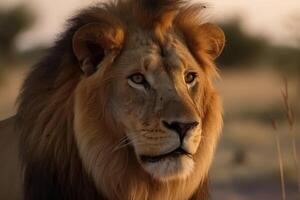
{"x":261,"y":58}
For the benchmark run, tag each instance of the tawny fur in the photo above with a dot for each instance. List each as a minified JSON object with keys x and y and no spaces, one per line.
{"x":68,"y":134}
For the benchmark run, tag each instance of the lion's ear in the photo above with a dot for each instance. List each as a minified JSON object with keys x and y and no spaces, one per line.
{"x":93,"y":41}
{"x":210,"y":39}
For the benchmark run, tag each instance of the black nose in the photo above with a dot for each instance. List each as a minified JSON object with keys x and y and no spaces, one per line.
{"x":180,"y":128}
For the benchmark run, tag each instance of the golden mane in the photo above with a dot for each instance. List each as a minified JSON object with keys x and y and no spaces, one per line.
{"x":53,"y":168}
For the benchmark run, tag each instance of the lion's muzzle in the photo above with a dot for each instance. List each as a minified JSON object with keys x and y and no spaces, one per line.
{"x":180,"y":128}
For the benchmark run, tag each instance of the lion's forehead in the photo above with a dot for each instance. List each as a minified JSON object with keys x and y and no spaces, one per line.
{"x":150,"y":56}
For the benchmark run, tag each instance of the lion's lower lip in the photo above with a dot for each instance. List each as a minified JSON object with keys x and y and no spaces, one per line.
{"x":176,"y":153}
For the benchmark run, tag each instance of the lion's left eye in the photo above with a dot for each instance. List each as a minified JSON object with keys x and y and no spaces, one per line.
{"x":137,"y":78}
{"x":190,"y":77}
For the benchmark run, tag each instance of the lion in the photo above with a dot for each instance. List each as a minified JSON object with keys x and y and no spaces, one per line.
{"x":122,"y":107}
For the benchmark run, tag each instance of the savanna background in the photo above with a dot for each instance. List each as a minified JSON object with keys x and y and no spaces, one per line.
{"x":260,"y":86}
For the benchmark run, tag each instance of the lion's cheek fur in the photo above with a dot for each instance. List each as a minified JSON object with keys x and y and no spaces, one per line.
{"x":96,"y":140}
{"x":212,"y":123}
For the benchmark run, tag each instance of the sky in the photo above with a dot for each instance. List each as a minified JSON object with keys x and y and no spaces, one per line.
{"x":273,"y":19}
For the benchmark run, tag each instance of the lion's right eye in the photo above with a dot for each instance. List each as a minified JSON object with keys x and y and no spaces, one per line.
{"x":137,"y":78}
{"x":190,"y":77}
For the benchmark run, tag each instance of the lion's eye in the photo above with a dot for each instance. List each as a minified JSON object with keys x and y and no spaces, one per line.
{"x":137,"y":78}
{"x":190,"y":77}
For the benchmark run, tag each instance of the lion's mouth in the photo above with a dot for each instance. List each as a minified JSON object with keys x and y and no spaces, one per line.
{"x":173,"y":154}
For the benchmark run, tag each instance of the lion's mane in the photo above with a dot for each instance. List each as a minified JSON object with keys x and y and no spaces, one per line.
{"x":52,"y":166}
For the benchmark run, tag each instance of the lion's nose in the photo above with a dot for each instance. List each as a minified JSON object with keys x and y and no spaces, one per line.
{"x":180,"y":128}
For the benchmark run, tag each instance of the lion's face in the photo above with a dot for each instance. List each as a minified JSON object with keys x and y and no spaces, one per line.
{"x":156,"y":99}
{"x":145,"y":99}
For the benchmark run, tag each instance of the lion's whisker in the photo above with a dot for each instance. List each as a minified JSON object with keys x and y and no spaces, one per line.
{"x":136,"y":144}
{"x":125,"y":141}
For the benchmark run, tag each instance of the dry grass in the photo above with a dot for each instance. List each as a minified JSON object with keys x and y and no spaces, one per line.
{"x":291,"y":122}
{"x":280,"y":160}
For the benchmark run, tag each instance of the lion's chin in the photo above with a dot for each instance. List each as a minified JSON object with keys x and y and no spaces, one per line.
{"x":170,"y":168}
